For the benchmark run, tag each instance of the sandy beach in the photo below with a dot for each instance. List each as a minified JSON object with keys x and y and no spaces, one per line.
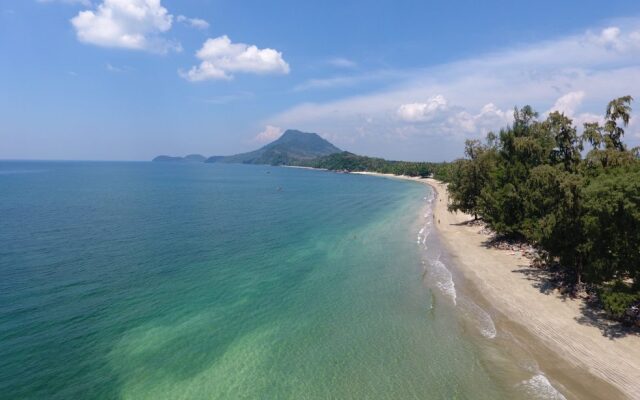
{"x":506,"y":280}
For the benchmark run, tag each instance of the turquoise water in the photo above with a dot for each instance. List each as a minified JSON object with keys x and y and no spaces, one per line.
{"x":156,"y":281}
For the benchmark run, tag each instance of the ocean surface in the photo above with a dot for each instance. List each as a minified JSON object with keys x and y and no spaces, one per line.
{"x":205,"y":281}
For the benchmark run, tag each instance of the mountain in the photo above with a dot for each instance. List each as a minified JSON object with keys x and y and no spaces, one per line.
{"x":195,"y":158}
{"x":293,"y":147}
{"x":189,"y":158}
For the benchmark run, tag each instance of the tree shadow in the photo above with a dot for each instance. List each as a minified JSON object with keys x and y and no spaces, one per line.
{"x":470,"y":222}
{"x":547,"y":281}
{"x":594,"y":315}
{"x":553,"y":281}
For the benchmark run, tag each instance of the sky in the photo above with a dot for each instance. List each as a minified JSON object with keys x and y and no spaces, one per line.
{"x":410,"y":80}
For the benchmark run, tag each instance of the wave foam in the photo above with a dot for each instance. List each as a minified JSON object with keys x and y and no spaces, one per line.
{"x":481,"y":318}
{"x":540,"y":388}
{"x":443,"y":279}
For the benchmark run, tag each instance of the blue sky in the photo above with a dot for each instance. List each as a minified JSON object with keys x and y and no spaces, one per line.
{"x":130,"y":79}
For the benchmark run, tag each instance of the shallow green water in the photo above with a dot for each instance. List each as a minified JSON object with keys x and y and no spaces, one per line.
{"x":155,"y":281}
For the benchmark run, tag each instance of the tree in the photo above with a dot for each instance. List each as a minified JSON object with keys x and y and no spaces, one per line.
{"x":469,"y":178}
{"x":524,"y":145}
{"x":617,"y":109}
{"x":614,"y":154}
{"x":611,"y":218}
{"x":553,"y":209}
{"x":568,"y":144}
{"x":583,"y":213}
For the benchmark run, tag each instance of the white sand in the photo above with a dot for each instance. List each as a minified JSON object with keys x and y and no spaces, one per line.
{"x":550,"y":317}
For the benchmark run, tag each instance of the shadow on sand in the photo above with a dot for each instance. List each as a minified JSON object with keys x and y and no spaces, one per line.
{"x":552,"y":281}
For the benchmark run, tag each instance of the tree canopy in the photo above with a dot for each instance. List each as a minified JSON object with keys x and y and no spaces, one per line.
{"x":533,"y":181}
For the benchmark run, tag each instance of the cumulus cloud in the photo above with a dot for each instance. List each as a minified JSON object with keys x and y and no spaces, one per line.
{"x":612,"y":38}
{"x":416,"y":112}
{"x":220,"y":59}
{"x":568,"y":103}
{"x":269,"y":134}
{"x":129,"y":24}
{"x":193,"y":22}
{"x":577,"y":75}
{"x":489,"y":118}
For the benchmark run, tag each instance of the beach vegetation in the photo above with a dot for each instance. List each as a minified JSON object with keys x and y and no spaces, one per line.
{"x":349,"y":162}
{"x":619,"y":300}
{"x":535,"y":181}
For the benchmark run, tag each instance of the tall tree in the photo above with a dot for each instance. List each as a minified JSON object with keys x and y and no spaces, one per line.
{"x":614,"y":153}
{"x":524,"y":145}
{"x":471,"y":175}
{"x":617,"y":109}
{"x":568,"y":144}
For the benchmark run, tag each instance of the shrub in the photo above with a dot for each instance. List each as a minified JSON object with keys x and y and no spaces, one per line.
{"x":617,"y":299}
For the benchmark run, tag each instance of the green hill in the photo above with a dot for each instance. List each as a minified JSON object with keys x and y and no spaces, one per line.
{"x":292,"y":148}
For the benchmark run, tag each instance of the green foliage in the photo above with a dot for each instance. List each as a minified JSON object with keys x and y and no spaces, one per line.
{"x":469,"y":177}
{"x":617,"y":299}
{"x":350,"y":162}
{"x":567,"y":143}
{"x":611,"y":218}
{"x":531,"y":181}
{"x":442,"y":171}
{"x":552,"y":211}
{"x":614,"y":153}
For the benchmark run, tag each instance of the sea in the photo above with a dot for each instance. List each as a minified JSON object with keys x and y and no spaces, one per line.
{"x":141,"y":280}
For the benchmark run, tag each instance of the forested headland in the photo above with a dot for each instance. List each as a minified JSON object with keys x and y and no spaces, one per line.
{"x":349,"y":162}
{"x":574,"y":195}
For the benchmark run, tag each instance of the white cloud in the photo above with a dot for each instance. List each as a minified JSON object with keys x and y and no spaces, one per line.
{"x":609,"y":37}
{"x":489,"y":118}
{"x":193,"y":22}
{"x":341,"y":62}
{"x":415,"y":112}
{"x":327,"y":83}
{"x":613,"y":38}
{"x":229,"y":98}
{"x":221,"y":59}
{"x":112,"y":68}
{"x":568,"y":103}
{"x":348,"y":80}
{"x":577,"y":74}
{"x":129,"y":24}
{"x":118,"y":69}
{"x":269,"y":134}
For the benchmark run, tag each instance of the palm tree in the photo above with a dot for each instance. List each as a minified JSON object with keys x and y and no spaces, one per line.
{"x":617,"y":109}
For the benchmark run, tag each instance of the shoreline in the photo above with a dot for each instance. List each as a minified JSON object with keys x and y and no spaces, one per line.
{"x":571,"y":348}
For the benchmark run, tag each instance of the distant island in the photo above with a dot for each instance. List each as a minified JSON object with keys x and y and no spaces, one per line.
{"x":304,"y":149}
{"x":292,"y":148}
{"x":188,"y":158}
